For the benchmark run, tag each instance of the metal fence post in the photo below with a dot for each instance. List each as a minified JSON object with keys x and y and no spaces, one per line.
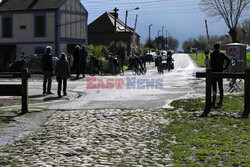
{"x":247,"y":94}
{"x":208,"y":92}
{"x":24,"y":89}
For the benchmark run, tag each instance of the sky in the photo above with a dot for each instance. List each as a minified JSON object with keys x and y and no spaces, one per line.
{"x":183,"y":19}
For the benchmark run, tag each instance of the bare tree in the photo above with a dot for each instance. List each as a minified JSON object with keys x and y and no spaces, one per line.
{"x":229,"y":10}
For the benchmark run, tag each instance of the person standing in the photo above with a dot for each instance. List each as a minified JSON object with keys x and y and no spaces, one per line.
{"x":76,"y":62}
{"x":83,"y":59}
{"x":217,"y":65}
{"x":62,"y":73}
{"x":47,"y":68}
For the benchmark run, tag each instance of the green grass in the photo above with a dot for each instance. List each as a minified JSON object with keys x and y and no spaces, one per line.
{"x":16,"y":101}
{"x":200,"y":60}
{"x":7,"y":116}
{"x":219,"y":140}
{"x":248,"y":55}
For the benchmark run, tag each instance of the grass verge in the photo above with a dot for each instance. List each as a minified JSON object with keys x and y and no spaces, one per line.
{"x":4,"y":102}
{"x":219,"y":140}
{"x":200,"y":59}
{"x":7,"y":116}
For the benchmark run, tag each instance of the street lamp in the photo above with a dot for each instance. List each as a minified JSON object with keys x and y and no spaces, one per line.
{"x":158,"y":39}
{"x":137,"y":8}
{"x":149,"y":35}
{"x":162,"y":38}
{"x":169,"y":40}
{"x":166,"y":39}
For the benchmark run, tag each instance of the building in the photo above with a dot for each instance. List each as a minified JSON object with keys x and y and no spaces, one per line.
{"x":28,"y":26}
{"x":102,"y":31}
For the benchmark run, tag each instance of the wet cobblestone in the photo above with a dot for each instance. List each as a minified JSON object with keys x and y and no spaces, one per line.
{"x":93,"y":138}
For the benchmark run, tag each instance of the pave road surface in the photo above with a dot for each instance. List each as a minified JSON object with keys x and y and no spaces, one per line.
{"x":100,"y":127}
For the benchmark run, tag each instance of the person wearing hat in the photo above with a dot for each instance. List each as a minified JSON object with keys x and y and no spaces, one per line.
{"x":47,"y":68}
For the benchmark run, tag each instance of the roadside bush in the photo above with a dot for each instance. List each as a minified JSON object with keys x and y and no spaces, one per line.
{"x":99,"y":52}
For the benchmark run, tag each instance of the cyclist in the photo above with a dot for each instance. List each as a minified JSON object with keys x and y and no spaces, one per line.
{"x":113,"y":63}
{"x":170,"y":60}
{"x":143,"y":61}
{"x":158,"y":63}
{"x":138,"y":61}
{"x":93,"y":62}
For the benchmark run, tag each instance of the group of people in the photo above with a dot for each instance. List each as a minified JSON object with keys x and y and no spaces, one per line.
{"x":169,"y":59}
{"x":138,"y":59}
{"x":62,"y":70}
{"x":80,"y":56}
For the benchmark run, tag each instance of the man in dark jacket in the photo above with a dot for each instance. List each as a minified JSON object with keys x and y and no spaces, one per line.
{"x":217,"y":65}
{"x":76,"y":63}
{"x":83,"y":59}
{"x":47,"y":70}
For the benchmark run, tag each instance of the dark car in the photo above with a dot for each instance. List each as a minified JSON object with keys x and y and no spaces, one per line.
{"x":149,"y":57}
{"x":18,"y":65}
{"x":33,"y":63}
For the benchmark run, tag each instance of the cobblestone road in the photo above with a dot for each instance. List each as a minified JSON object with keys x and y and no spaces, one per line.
{"x":93,"y":138}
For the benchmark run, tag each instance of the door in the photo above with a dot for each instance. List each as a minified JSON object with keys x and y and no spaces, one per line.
{"x":7,"y":56}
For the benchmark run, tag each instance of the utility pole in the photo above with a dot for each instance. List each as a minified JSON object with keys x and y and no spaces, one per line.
{"x":166,"y":39}
{"x":158,"y":39}
{"x":149,"y":40}
{"x":162,"y":38}
{"x":116,"y":10}
{"x":169,"y":42}
{"x":126,"y":17}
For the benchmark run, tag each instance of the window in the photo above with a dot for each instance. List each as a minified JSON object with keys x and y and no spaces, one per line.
{"x":7,"y":27}
{"x":39,"y":50}
{"x":23,"y":27}
{"x":40,"y":26}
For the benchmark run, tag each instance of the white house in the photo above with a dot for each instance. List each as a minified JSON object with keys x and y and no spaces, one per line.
{"x":28,"y":26}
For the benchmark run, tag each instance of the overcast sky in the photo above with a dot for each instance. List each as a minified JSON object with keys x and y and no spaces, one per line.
{"x":182,"y":18}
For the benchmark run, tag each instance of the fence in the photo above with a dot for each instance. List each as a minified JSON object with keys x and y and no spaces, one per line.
{"x":209,"y":75}
{"x":17,"y":89}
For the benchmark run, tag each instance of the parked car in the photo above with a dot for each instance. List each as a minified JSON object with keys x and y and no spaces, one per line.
{"x":150,"y":57}
{"x":34,"y":63}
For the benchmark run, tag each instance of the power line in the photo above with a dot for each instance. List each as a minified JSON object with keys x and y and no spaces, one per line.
{"x":145,"y":2}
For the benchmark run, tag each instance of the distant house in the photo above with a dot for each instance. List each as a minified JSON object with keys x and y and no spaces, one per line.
{"x":102,"y":31}
{"x":28,"y":26}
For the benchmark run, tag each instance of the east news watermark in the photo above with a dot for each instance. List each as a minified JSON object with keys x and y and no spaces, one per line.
{"x":124,"y":83}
